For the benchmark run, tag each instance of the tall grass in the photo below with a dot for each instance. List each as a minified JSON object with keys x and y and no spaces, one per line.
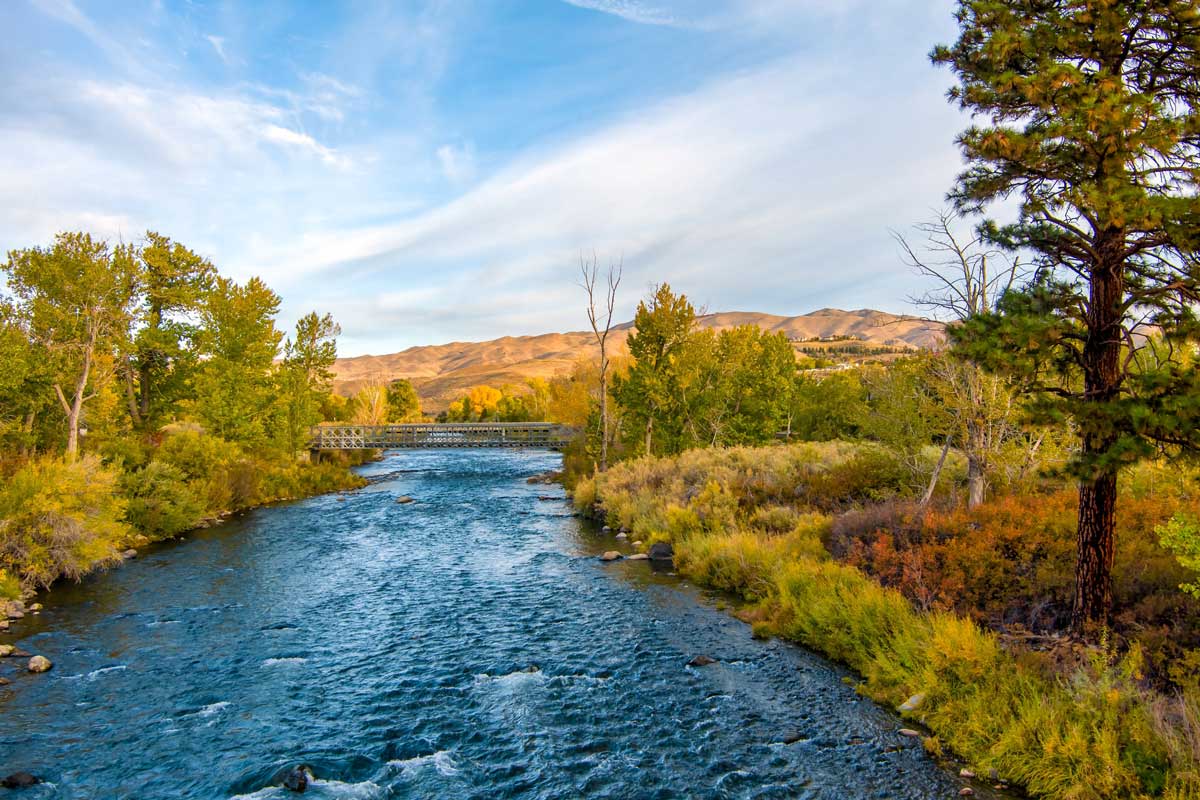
{"x":753,"y":522}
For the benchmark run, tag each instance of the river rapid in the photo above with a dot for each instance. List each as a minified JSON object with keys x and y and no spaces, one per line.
{"x":467,"y":645}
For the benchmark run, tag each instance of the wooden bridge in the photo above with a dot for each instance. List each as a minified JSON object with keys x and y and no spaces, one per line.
{"x":542,"y":435}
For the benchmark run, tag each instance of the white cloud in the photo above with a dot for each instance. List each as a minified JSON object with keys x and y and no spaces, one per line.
{"x":218,"y":43}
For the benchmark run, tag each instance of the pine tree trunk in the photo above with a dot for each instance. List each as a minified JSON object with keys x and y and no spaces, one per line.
{"x":1094,"y":559}
{"x":1098,"y":493}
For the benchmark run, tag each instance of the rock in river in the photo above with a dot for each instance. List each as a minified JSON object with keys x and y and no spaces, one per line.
{"x":296,"y":780}
{"x":40,"y":664}
{"x":130,"y":553}
{"x":20,"y":780}
{"x":701,"y":661}
{"x":6,"y":650}
{"x":639,"y":557}
{"x":405,"y":500}
{"x":611,"y":555}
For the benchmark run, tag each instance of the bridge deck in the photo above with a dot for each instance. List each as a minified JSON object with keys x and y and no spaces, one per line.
{"x":545,"y":435}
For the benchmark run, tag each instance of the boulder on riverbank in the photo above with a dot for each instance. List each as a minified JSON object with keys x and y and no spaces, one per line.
{"x":14,"y":609}
{"x":611,"y":555}
{"x":661,"y":551}
{"x":20,"y":780}
{"x":128,"y":554}
{"x":40,"y":664}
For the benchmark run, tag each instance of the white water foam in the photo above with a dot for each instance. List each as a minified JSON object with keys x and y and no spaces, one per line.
{"x":441,"y":761}
{"x":212,"y":709}
{"x":272,"y":662}
{"x":512,"y":680}
{"x":320,"y":788}
{"x":91,"y":676}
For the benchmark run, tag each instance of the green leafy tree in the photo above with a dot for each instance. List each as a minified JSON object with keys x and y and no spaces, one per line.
{"x":25,"y":381}
{"x":404,"y":405}
{"x":239,"y":341}
{"x":650,"y":391}
{"x":825,"y":407}
{"x":76,"y":297}
{"x":1090,"y":119}
{"x":306,"y":376}
{"x":172,"y":284}
{"x":745,"y":400}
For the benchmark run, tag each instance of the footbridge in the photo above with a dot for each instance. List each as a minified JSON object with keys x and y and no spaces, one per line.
{"x":540,"y":435}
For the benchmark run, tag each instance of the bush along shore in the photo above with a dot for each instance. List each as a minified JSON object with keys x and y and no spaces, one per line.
{"x":63,"y":519}
{"x":779,"y":528}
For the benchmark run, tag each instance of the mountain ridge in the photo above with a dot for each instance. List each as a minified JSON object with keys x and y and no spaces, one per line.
{"x":443,"y":372}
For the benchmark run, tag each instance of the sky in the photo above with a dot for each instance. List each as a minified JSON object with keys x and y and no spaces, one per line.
{"x":432,"y":170}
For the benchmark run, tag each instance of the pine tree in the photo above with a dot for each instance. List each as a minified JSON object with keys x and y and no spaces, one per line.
{"x":1089,"y":116}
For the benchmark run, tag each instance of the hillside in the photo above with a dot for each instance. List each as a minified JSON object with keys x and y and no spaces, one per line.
{"x":442,"y":373}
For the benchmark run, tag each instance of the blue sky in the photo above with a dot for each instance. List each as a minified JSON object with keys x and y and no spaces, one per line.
{"x":431,"y":171}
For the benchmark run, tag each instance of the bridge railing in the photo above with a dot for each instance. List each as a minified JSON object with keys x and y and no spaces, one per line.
{"x":441,"y":435}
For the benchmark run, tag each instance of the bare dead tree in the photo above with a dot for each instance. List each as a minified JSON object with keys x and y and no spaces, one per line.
{"x":968,"y":277}
{"x":600,"y":312}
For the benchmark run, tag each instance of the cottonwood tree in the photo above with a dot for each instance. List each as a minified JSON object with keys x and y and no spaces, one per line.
{"x":1088,"y":115}
{"x":172,"y":282}
{"x":239,"y":340}
{"x":404,"y":405}
{"x":651,"y":391}
{"x":600,"y":310}
{"x":306,"y":374}
{"x":968,"y":276}
{"x":76,"y":297}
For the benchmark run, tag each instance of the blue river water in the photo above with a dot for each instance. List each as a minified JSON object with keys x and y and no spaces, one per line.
{"x":467,"y":645}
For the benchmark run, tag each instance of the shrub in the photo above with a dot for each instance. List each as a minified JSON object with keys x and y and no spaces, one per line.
{"x":60,"y":519}
{"x":161,"y":502}
{"x":1181,"y":535}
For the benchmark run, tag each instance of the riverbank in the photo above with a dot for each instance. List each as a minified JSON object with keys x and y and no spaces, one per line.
{"x":757,"y":523}
{"x":63,"y":520}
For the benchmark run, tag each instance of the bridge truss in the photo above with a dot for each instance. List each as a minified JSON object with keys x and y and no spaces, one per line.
{"x":540,"y":435}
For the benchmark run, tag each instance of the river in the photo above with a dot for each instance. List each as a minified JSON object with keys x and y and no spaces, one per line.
{"x":467,"y":645}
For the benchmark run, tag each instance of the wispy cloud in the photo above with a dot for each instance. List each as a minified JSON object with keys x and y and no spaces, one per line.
{"x":632,"y":10}
{"x":218,"y":43}
{"x":769,"y":191}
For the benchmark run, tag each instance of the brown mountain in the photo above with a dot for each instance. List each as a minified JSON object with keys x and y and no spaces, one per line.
{"x":442,"y":373}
